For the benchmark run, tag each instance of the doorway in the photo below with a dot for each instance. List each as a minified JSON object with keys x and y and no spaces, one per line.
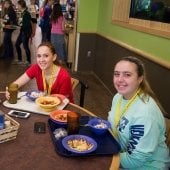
{"x":69,"y":8}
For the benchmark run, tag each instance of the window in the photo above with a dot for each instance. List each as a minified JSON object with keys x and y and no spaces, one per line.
{"x":151,"y":10}
{"x":151,"y":16}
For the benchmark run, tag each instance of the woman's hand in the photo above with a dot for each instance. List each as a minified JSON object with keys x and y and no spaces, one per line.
{"x":7,"y":94}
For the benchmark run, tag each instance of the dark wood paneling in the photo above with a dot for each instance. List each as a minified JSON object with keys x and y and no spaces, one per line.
{"x":87,"y":43}
{"x":106,"y":53}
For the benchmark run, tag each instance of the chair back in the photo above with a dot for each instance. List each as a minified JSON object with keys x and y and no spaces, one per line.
{"x":167,"y":131}
{"x":83,"y":87}
{"x":74,"y":82}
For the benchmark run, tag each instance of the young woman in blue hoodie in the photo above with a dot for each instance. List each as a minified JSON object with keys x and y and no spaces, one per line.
{"x":137,"y":120}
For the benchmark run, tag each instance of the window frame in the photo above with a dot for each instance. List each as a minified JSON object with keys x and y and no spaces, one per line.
{"x":121,"y":18}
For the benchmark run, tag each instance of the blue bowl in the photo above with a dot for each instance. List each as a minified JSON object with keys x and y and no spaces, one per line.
{"x":58,"y":124}
{"x":34,"y":94}
{"x":99,"y":126}
{"x":56,"y":119}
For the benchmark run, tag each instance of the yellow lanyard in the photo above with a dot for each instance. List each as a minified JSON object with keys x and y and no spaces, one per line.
{"x":48,"y":91}
{"x":119,"y":113}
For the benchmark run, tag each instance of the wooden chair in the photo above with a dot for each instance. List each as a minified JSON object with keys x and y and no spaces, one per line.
{"x":167,"y":120}
{"x":115,"y":162}
{"x":84,"y":86}
{"x":74,"y":82}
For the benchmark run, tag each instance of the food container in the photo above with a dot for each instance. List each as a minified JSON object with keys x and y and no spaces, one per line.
{"x":34,"y":94}
{"x":1,"y":120}
{"x":48,"y":103}
{"x":9,"y":132}
{"x":59,"y":117}
{"x":99,"y":126}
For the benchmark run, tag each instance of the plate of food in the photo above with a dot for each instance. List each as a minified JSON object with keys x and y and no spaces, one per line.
{"x":79,"y":144}
{"x":62,"y":97}
{"x":34,"y":94}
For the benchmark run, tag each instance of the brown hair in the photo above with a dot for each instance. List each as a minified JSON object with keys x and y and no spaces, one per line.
{"x":22,"y":3}
{"x":52,"y":49}
{"x":146,"y":89}
{"x":9,"y":1}
{"x":56,"y":12}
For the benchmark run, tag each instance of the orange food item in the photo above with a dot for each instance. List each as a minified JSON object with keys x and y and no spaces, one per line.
{"x":48,"y":102}
{"x":61,"y":117}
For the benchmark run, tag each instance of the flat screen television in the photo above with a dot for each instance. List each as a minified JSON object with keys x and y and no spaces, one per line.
{"x":154,"y":10}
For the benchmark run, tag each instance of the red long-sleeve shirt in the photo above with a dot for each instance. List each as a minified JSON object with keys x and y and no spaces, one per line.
{"x":61,"y":85}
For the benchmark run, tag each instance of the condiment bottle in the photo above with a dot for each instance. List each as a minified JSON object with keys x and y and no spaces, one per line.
{"x":73,"y":122}
{"x":2,"y":119}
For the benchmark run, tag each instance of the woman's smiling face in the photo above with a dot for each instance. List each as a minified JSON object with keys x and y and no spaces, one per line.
{"x":45,"y":57}
{"x":126,"y":79}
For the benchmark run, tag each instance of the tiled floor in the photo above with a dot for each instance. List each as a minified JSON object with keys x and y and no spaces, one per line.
{"x":97,"y":98}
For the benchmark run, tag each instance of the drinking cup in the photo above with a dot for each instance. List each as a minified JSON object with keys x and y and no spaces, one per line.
{"x":73,"y":123}
{"x":13,"y":91}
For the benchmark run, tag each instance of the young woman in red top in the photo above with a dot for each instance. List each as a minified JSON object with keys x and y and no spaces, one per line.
{"x":50,"y":76}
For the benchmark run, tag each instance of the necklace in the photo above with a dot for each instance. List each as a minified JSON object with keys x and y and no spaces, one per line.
{"x":45,"y":84}
{"x":119,"y":113}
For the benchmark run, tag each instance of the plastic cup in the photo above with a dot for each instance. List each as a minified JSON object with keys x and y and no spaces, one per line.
{"x":72,"y":123}
{"x":13,"y":91}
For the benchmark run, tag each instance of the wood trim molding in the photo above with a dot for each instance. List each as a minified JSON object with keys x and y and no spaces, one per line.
{"x":83,"y":109}
{"x":134,"y":24}
{"x":151,"y":57}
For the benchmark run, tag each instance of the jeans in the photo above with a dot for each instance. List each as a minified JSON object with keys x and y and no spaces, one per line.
{"x":23,"y":38}
{"x":7,"y":45}
{"x":60,"y":47}
{"x":45,"y":36}
{"x":45,"y":29}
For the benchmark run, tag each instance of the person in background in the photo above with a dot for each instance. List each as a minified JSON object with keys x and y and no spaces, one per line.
{"x":9,"y":20}
{"x":51,"y":78}
{"x":57,"y":32}
{"x":25,"y":33}
{"x":36,"y":37}
{"x":33,"y":9}
{"x":45,"y":24}
{"x":136,"y":119}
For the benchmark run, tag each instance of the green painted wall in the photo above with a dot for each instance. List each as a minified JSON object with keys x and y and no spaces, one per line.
{"x":95,"y":16}
{"x":87,"y":15}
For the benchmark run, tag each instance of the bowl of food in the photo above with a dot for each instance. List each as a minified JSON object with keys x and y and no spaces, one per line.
{"x":99,"y":126}
{"x":48,"y":103}
{"x":79,"y":144}
{"x":59,"y":117}
{"x":34,"y":94}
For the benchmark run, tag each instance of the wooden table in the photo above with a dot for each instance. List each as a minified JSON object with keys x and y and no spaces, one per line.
{"x":30,"y":151}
